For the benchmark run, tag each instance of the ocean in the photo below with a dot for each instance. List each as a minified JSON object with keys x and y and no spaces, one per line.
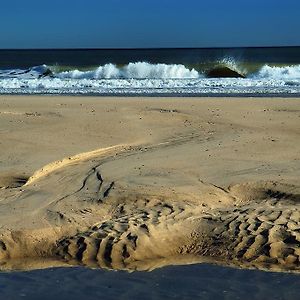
{"x":271,"y":71}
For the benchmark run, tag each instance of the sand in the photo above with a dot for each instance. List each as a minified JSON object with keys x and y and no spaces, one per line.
{"x":139,"y":183}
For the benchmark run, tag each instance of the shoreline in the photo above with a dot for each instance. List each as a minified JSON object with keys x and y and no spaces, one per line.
{"x":158,"y":95}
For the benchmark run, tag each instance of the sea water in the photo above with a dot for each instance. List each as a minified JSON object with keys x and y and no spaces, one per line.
{"x":199,"y":281}
{"x":264,"y":71}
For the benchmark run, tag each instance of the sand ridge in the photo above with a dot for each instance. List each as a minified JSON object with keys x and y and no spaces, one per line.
{"x":53,"y":166}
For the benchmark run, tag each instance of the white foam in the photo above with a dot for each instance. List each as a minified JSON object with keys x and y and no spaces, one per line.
{"x":162,"y":71}
{"x":50,"y":85}
{"x":103,"y":72}
{"x":281,"y":73}
{"x":33,"y":72}
{"x":138,"y":70}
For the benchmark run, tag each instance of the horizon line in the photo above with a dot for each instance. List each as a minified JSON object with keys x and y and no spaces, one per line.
{"x":145,"y":48}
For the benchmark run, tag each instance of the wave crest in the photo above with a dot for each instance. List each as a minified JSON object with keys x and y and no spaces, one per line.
{"x":138,"y":70}
{"x":30,"y":73}
{"x":280,"y":73}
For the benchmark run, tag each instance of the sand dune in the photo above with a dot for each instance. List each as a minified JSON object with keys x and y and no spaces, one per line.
{"x":137,"y":184}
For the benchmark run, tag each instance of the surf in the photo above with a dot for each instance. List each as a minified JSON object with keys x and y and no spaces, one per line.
{"x":225,"y":76}
{"x":135,"y":70}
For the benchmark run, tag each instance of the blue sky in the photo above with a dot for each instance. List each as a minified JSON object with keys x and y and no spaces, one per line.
{"x":148,"y":23}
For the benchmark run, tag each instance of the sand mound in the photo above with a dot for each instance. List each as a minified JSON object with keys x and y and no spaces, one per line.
{"x":99,"y":216}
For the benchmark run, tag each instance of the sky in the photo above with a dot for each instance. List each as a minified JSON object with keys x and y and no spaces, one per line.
{"x":148,"y":23}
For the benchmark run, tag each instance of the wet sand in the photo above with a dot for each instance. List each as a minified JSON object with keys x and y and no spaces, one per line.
{"x":131,"y":183}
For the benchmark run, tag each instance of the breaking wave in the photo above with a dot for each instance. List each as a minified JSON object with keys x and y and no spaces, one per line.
{"x":282,"y":73}
{"x":146,"y":78}
{"x":144,"y":70}
{"x":30,"y":73}
{"x":138,"y":70}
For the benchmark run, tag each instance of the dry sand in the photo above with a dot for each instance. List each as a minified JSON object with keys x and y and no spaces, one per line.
{"x":138,"y":183}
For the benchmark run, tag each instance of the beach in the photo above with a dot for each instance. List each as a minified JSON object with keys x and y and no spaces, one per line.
{"x":72,"y":163}
{"x":147,"y":154}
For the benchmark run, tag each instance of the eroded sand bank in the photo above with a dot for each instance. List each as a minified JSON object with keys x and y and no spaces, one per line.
{"x":137,"y":183}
